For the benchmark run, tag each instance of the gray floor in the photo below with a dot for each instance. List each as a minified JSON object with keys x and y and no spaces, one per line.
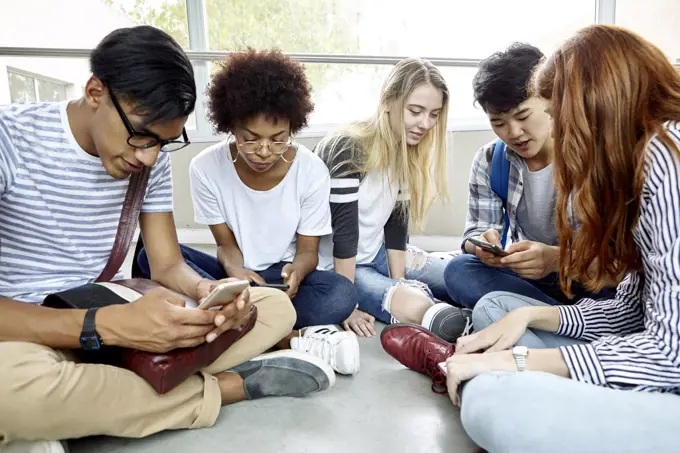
{"x":384,"y":408}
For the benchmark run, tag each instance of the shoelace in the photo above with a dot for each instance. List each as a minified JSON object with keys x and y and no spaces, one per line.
{"x":317,"y":345}
{"x":431,"y":360}
{"x":468,"y":327}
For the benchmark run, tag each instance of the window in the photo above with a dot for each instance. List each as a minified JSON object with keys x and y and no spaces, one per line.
{"x":168,"y":15}
{"x":25,"y":87}
{"x":31,"y":88}
{"x":655,"y":20}
{"x":443,"y":28}
{"x":436,"y":28}
{"x":82,"y":24}
{"x":464,"y":29}
{"x":40,"y":79}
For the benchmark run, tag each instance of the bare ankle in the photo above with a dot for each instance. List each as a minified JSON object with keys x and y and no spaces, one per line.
{"x":231,"y":387}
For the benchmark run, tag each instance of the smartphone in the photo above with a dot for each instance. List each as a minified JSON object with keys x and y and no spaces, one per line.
{"x":223,"y":294}
{"x":496,"y":250}
{"x":282,"y":287}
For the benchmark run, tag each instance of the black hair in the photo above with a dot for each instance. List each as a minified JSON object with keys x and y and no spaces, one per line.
{"x":146,"y":67}
{"x":501,"y":83}
{"x":254,"y":82}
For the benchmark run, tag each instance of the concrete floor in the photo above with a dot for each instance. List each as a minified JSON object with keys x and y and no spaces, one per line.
{"x":384,"y":408}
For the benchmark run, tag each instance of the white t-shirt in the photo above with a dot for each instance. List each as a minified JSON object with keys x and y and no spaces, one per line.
{"x":265,"y":223}
{"x":59,"y":208}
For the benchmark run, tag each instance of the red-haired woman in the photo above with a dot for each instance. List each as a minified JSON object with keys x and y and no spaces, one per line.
{"x":599,"y":375}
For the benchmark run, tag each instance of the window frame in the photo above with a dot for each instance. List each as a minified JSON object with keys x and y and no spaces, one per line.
{"x":201,"y":57}
{"x":37,"y":77}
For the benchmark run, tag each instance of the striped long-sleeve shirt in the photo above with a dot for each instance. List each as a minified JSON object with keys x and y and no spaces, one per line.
{"x":635,"y":338}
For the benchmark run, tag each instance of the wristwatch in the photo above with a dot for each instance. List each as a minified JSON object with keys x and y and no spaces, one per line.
{"x":520,"y":353}
{"x":89,"y":338}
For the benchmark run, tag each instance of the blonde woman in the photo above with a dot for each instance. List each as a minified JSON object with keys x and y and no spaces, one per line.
{"x":386,"y":172}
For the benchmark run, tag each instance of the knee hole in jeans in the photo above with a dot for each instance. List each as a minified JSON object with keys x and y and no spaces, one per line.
{"x":389,"y":294}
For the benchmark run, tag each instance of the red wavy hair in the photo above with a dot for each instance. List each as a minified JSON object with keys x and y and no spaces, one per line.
{"x":610,"y":92}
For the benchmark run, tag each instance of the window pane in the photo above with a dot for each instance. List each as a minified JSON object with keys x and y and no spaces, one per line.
{"x":655,"y":20}
{"x":21,"y":88}
{"x":83,"y":23}
{"x":49,"y":91}
{"x":57,"y":78}
{"x":344,"y":92}
{"x":445,"y":28}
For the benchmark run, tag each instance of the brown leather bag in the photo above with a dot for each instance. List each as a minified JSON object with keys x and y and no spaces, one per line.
{"x":163,"y":371}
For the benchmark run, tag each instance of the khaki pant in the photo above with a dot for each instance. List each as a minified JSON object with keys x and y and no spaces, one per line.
{"x":44,"y":394}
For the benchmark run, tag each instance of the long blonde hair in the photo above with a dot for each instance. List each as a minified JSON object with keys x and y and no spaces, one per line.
{"x":376,"y":146}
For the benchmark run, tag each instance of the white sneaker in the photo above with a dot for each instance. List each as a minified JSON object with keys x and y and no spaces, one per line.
{"x":41,"y":446}
{"x":339,"y":348}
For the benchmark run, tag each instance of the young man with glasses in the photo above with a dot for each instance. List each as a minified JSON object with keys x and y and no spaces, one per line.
{"x":265,"y":199}
{"x":64,"y":171}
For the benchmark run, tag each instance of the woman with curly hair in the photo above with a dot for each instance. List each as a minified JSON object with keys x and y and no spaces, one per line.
{"x":598,"y":375}
{"x":265,"y":198}
{"x":386,"y":172}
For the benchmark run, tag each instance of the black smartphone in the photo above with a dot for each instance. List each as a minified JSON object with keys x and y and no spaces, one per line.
{"x":280,"y":286}
{"x":496,"y":250}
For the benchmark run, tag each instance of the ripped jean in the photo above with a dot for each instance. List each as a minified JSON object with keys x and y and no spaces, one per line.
{"x":373,"y":283}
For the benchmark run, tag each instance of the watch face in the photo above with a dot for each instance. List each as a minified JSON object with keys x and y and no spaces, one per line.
{"x":520,"y":350}
{"x":90,"y":343}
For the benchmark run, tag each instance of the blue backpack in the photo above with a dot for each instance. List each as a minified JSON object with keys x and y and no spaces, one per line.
{"x":500,"y":176}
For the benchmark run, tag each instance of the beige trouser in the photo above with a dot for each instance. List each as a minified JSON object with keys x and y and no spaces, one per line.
{"x":44,"y":394}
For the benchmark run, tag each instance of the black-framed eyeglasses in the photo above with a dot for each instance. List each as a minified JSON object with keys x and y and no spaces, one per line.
{"x":141,"y":140}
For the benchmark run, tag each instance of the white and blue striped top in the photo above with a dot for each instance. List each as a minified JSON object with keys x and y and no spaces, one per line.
{"x":59,"y":208}
{"x":635,"y":338}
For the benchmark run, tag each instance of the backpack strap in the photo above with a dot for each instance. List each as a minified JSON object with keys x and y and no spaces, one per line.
{"x":500,"y":178}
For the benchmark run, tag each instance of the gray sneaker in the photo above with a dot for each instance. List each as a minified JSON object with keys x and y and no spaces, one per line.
{"x":284,"y":373}
{"x":448,"y":322}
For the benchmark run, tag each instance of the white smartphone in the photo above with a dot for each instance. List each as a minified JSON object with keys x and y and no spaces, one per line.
{"x":224,"y":293}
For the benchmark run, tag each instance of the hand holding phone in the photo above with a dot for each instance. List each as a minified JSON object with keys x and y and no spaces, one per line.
{"x":223,"y":294}
{"x":496,"y":250}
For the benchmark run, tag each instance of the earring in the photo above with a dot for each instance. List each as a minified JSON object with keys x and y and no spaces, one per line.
{"x":284,"y":159}
{"x":235,"y":158}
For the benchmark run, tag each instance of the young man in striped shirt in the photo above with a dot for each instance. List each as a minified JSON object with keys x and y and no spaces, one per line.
{"x":64,"y":171}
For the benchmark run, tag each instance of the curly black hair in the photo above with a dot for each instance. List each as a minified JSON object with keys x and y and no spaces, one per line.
{"x":252,"y":83}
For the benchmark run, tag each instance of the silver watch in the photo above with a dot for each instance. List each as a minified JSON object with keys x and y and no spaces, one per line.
{"x":520,"y":353}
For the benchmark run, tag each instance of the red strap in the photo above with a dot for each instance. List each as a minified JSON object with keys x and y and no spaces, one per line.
{"x":134,"y":198}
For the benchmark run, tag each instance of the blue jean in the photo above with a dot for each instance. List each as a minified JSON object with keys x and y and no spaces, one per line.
{"x":323,"y":297}
{"x":372,"y":282}
{"x":468,"y":280}
{"x":539,"y":412}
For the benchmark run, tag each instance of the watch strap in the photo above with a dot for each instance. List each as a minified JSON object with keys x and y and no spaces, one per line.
{"x":89,"y":338}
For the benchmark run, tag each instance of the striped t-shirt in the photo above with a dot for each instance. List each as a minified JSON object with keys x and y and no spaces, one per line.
{"x":59,"y":208}
{"x":635,"y":338}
